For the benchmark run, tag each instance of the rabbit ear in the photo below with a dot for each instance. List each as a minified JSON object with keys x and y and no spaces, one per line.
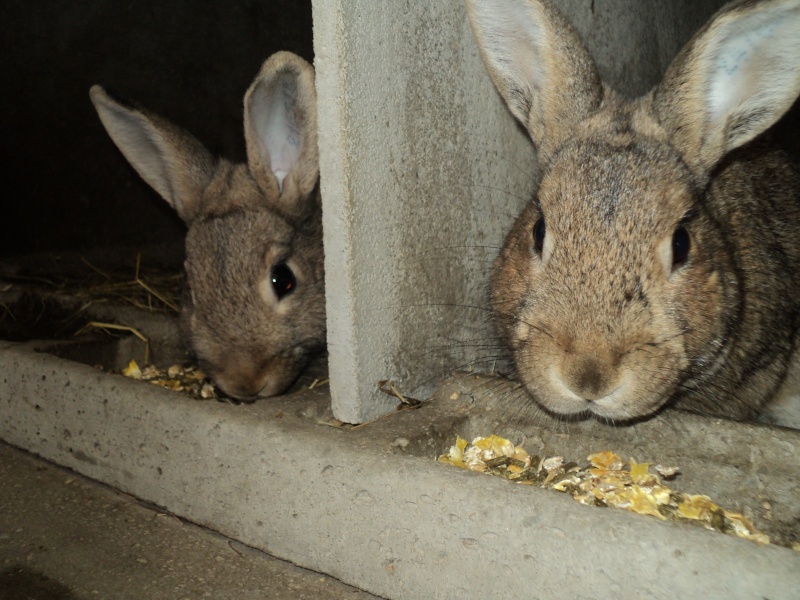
{"x":539,"y":65}
{"x":732,"y":81}
{"x":280,"y":123}
{"x":173,"y":162}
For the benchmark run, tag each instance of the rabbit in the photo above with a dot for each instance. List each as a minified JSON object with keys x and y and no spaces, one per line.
{"x":253,"y":310}
{"x":658,"y":263}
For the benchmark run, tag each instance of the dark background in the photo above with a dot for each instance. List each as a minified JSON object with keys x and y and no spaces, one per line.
{"x":65,"y":185}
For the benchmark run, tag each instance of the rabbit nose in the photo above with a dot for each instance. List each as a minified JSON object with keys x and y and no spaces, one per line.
{"x":248,"y":387}
{"x":237,"y":393}
{"x":590,"y":377}
{"x":242,"y":390}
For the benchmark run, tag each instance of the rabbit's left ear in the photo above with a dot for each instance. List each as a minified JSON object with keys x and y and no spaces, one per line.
{"x":168,"y":158}
{"x":538,"y":64}
{"x":732,"y":81}
{"x":280,"y":126}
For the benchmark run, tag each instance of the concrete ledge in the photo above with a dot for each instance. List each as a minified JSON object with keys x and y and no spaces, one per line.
{"x":748,"y":467}
{"x":368,"y":506}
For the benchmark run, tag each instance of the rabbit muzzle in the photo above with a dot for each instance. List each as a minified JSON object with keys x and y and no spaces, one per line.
{"x":246,"y":379}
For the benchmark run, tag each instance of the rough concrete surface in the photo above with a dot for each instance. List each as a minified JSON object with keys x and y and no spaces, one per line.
{"x":64,"y":537}
{"x":422,"y":171}
{"x":369,"y":506}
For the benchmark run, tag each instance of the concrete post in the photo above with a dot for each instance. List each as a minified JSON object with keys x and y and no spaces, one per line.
{"x":423,"y":170}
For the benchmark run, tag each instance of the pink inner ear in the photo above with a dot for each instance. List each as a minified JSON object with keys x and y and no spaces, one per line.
{"x":282,"y":141}
{"x":273,"y":107}
{"x":750,"y":70}
{"x":732,"y":76}
{"x":282,"y":160}
{"x":514,"y":37}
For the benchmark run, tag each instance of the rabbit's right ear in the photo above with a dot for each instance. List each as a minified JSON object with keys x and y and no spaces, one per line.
{"x":172,"y":161}
{"x":538,"y":64}
{"x":732,"y":81}
{"x":280,"y":126}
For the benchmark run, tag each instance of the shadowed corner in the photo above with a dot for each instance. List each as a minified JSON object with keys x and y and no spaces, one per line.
{"x":18,"y":583}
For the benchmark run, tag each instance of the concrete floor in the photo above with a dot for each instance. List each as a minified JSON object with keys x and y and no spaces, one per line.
{"x":65,"y":537}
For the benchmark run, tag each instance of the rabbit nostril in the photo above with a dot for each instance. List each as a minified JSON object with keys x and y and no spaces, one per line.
{"x":589,"y":379}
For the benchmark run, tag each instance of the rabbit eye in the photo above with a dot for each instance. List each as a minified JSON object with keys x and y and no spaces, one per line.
{"x":539,"y":231}
{"x":681,"y":244}
{"x":283,"y":280}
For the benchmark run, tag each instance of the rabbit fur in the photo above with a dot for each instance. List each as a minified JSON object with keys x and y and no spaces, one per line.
{"x":253,"y":311}
{"x":659,"y":261}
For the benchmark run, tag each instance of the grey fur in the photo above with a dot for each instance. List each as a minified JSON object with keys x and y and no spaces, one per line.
{"x":243,"y":220}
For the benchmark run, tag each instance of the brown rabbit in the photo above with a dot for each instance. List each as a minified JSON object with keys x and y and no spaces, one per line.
{"x":254,"y":308}
{"x":659,"y":261}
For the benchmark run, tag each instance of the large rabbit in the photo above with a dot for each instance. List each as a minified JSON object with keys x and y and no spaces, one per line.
{"x":254,"y":308}
{"x":659,"y":261}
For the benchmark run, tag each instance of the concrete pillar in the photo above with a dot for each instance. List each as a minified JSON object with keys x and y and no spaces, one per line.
{"x":423,"y":171}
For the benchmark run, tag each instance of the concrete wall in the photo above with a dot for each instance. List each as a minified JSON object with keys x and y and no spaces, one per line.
{"x":421,"y":177}
{"x":423,"y":171}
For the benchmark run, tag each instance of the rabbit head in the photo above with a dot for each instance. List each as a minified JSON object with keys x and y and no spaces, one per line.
{"x":254,"y":307}
{"x":658,"y":260}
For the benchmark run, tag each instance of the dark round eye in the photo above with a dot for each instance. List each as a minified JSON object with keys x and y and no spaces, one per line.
{"x":539,"y":231}
{"x":681,"y":243}
{"x":283,"y":280}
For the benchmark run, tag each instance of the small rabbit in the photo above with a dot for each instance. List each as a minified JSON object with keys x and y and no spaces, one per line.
{"x":254,"y":307}
{"x":659,"y":262}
